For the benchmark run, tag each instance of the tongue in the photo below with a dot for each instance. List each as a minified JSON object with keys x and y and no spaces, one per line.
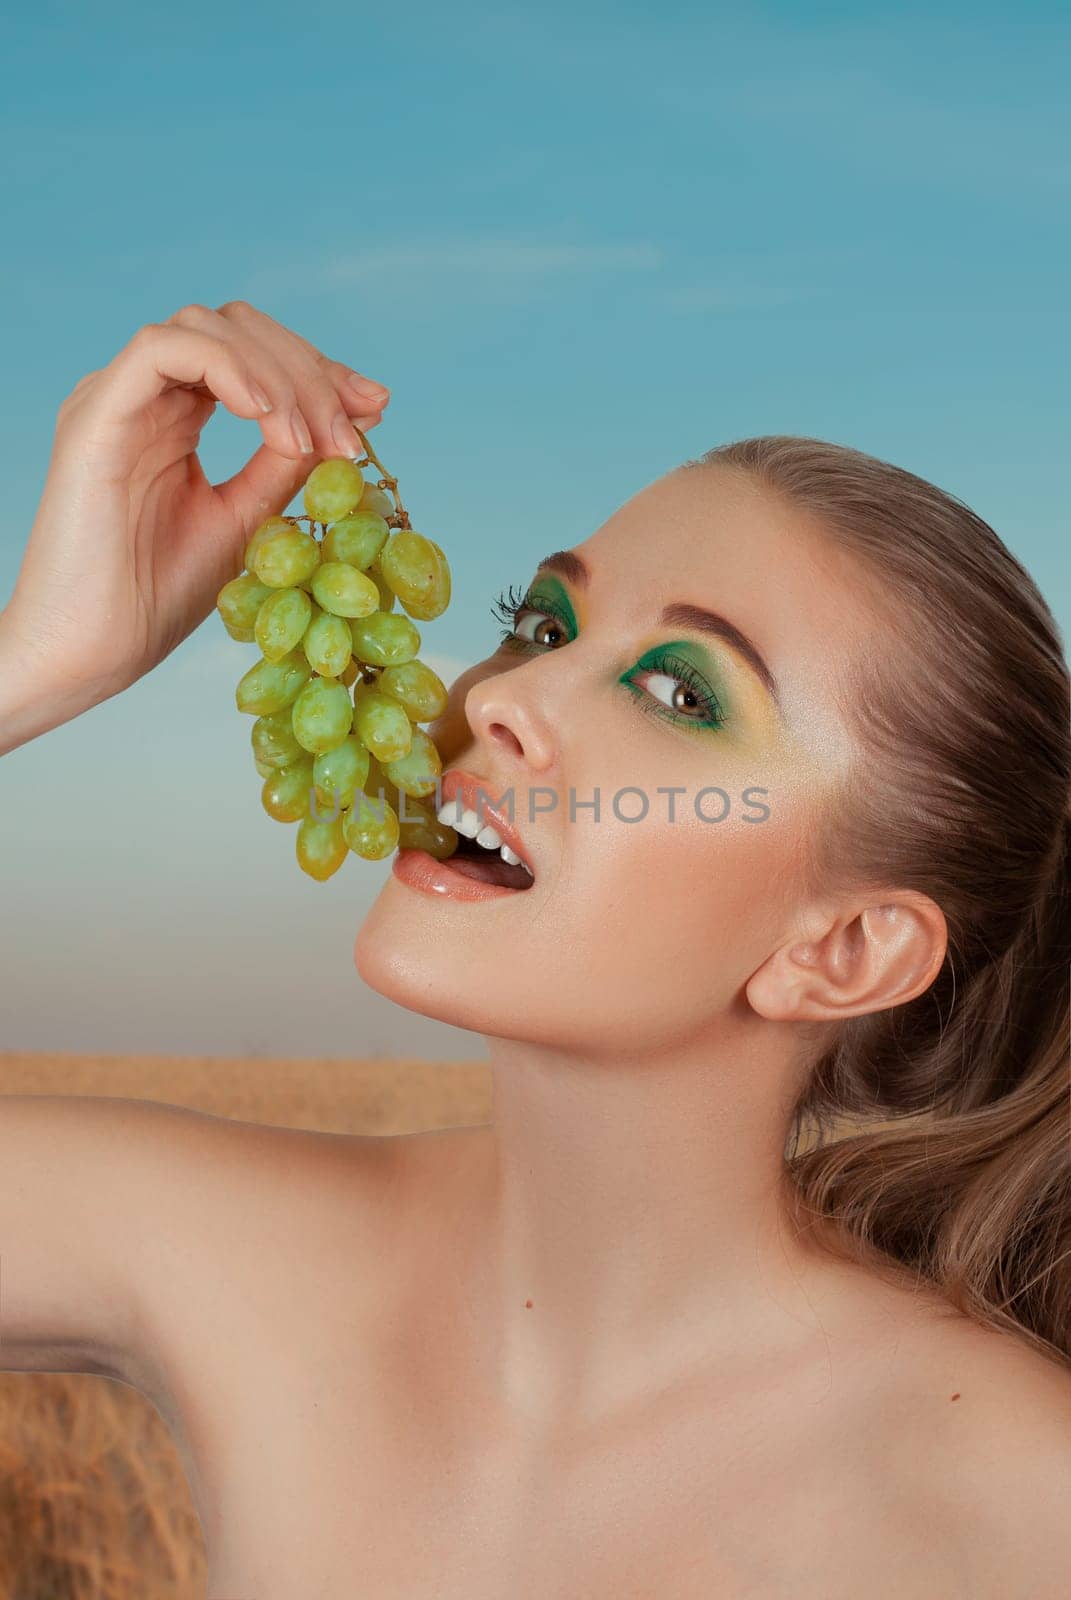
{"x":491,"y":869}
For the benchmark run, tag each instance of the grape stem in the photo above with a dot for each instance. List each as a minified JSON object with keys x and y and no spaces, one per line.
{"x":398,"y":518}
{"x":386,"y":482}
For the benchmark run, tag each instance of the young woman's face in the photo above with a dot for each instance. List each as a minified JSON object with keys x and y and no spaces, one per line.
{"x":644,"y":921}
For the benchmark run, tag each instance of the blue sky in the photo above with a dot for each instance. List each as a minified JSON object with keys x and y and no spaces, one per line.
{"x":581,"y":243}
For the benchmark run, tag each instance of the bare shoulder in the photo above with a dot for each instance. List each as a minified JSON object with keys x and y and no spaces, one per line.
{"x":986,"y":1440}
{"x":1016,"y":1465}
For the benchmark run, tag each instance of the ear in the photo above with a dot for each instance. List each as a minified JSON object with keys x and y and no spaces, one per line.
{"x":865,"y":959}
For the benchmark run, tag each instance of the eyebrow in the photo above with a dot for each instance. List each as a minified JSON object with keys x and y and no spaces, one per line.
{"x":570,"y":566}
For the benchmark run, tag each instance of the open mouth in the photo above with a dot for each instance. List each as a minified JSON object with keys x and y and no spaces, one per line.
{"x":481,"y":852}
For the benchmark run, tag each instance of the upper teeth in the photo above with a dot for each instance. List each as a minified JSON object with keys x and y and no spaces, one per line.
{"x":468,"y":823}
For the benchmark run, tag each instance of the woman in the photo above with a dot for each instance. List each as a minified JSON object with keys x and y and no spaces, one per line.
{"x":787,"y":746}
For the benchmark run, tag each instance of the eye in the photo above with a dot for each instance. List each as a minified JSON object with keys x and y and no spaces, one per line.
{"x":527,"y":622}
{"x":539,"y":627}
{"x":673,"y":692}
{"x":670,"y":687}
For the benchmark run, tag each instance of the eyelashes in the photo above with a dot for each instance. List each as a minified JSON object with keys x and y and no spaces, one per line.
{"x":509,"y":604}
{"x":665,"y":664}
{"x":506,"y":604}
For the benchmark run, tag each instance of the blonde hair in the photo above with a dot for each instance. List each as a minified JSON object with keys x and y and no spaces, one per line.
{"x":960,"y":1168}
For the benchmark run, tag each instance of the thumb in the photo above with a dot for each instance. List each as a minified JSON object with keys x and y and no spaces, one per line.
{"x":264,"y":487}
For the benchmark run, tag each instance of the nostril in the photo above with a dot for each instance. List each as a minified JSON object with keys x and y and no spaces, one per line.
{"x":505,"y":736}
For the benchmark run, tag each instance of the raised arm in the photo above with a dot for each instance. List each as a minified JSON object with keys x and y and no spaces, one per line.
{"x":129,"y":548}
{"x":131,"y":543}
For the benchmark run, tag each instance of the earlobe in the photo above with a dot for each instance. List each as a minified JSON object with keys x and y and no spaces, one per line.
{"x":868,"y":959}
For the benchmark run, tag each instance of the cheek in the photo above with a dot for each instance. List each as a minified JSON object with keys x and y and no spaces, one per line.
{"x":703,"y":898}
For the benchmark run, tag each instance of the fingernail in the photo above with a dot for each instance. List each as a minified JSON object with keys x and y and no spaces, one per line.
{"x":299,"y":428}
{"x":374,"y":391}
{"x":257,"y":395}
{"x":345,"y":437}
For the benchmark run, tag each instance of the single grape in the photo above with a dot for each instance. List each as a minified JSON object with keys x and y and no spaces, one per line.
{"x":285,"y":557}
{"x":341,"y":771}
{"x":419,"y":770}
{"x":417,"y":571}
{"x":386,"y":593}
{"x":384,"y":640}
{"x":333,"y":489}
{"x":415,"y":686}
{"x":410,"y":809}
{"x":370,"y":828}
{"x":273,"y":740}
{"x":263,"y":767}
{"x":377,"y":786}
{"x":420,"y":829}
{"x":272,"y":525}
{"x":381,"y":724}
{"x":356,"y":539}
{"x":328,"y":644}
{"x":281,"y":622}
{"x":238,"y":603}
{"x":321,"y":846}
{"x":270,"y":685}
{"x":323,"y":713}
{"x":377,"y":500}
{"x":285,"y":795}
{"x":343,"y":591}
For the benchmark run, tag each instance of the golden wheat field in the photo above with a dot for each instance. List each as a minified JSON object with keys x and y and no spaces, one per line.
{"x":94,"y":1504}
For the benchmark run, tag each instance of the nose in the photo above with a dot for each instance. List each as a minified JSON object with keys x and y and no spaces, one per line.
{"x":502,"y":713}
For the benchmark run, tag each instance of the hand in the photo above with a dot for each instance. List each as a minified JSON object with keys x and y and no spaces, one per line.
{"x":131,"y":543}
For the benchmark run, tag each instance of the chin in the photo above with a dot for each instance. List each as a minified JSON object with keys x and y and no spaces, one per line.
{"x":410,"y":958}
{"x":420,"y":956}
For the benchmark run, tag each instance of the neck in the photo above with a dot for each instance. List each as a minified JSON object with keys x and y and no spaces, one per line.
{"x":639,"y":1206}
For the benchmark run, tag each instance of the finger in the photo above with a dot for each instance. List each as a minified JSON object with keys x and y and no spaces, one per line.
{"x":329,"y":393}
{"x":240,"y":311}
{"x":285,"y":426}
{"x":158,"y":357}
{"x":318,"y":419}
{"x":266,"y":485}
{"x":263,"y":488}
{"x":359,"y":396}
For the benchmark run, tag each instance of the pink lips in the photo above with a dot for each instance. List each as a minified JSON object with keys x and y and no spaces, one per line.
{"x":423,"y":871}
{"x":474,"y":794}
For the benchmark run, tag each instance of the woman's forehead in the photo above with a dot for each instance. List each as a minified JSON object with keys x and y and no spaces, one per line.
{"x":711,"y":535}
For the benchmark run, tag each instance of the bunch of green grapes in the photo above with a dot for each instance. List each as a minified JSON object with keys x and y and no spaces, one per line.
{"x":338,"y":692}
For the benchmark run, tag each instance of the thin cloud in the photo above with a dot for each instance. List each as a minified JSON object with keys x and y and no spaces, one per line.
{"x":762,"y":280}
{"x":497,"y":259}
{"x":493,"y":255}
